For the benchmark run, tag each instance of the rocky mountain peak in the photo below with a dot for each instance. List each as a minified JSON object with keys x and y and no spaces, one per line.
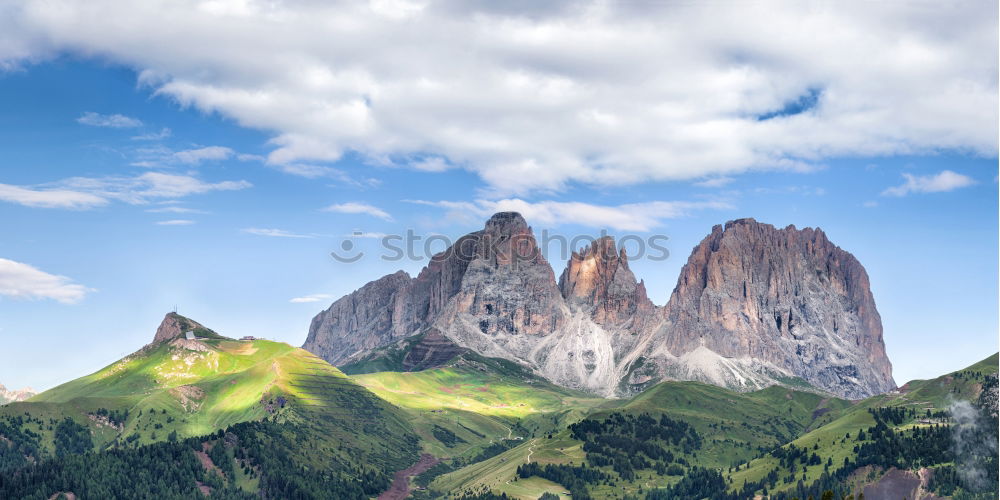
{"x":11,"y":395}
{"x":507,"y":224}
{"x":785,"y":296}
{"x":598,"y":278}
{"x":174,"y":325}
{"x":753,"y":306}
{"x":507,"y":240}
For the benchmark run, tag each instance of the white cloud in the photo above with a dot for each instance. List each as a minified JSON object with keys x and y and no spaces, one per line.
{"x":870,"y":204}
{"x":544,"y":94}
{"x":942,"y":182}
{"x":50,"y":198}
{"x":149,"y":186}
{"x":111,"y":121}
{"x":88,"y":192}
{"x":714,"y":182}
{"x":175,"y":210}
{"x":433,"y":164}
{"x":275,"y":233}
{"x":365,"y":234}
{"x":195,"y":156}
{"x":316,"y":297}
{"x":153,"y":136}
{"x":175,"y":222}
{"x":358,"y":208}
{"x":250,"y":157}
{"x":628,"y":217}
{"x":310,"y":171}
{"x":22,"y":281}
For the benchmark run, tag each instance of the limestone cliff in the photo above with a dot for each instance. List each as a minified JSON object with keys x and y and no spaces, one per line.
{"x":753,"y":306}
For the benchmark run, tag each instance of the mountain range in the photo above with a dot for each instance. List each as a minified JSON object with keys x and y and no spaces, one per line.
{"x":9,"y":395}
{"x":753,"y":306}
{"x":208,"y":415}
{"x":486,"y":378}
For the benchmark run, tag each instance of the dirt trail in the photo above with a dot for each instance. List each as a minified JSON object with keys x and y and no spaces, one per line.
{"x":400,"y":487}
{"x":531,"y":449}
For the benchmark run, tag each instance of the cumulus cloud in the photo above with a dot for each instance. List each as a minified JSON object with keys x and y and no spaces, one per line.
{"x":195,"y":156}
{"x":540,"y":95}
{"x":358,"y":208}
{"x":89,"y":192}
{"x":111,"y":121}
{"x":22,"y":281}
{"x":175,"y":222}
{"x":275,"y":233}
{"x":628,"y":217}
{"x":939,"y":183}
{"x":316,"y":297}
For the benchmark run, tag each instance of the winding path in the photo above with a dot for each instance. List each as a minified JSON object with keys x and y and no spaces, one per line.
{"x":531,"y":449}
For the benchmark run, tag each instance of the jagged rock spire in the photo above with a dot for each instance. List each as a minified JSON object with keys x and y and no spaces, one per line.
{"x":598,"y":279}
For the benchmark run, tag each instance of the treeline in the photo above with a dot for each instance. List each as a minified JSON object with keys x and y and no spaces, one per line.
{"x":262,"y":450}
{"x":448,"y":438}
{"x":628,"y":443}
{"x":72,"y":438}
{"x":974,"y":476}
{"x":164,"y":470}
{"x":573,"y":478}
{"x":20,"y":444}
{"x":697,"y":484}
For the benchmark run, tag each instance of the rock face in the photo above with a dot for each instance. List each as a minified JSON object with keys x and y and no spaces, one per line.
{"x":753,"y":306}
{"x":598,"y":279}
{"x":373,"y":316}
{"x":433,"y":349}
{"x":10,"y":396}
{"x":494,"y":279}
{"x":785,"y":298}
{"x":174,"y":325}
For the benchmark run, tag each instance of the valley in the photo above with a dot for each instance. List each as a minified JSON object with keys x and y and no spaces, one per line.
{"x":485,"y":426}
{"x":764,"y":376}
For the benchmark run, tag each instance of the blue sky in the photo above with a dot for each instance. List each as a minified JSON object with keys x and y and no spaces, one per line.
{"x":136,"y":177}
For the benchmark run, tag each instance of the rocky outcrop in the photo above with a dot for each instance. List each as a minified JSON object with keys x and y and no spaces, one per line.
{"x":375,"y":315}
{"x":788,"y":298}
{"x":174,"y":325}
{"x":432,"y":350}
{"x":495,"y":279}
{"x":10,"y":396}
{"x":753,"y":306}
{"x":599,"y":280}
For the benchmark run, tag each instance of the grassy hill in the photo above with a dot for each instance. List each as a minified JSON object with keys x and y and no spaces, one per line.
{"x":473,"y":402}
{"x":177,"y":389}
{"x":733,"y":427}
{"x":238,"y":419}
{"x":744,"y":438}
{"x":836,"y":440}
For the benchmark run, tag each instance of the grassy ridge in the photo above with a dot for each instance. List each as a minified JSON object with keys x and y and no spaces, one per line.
{"x":739,"y":429}
{"x":829,"y":439}
{"x":181,"y":388}
{"x":478,"y":400}
{"x":484,"y":417}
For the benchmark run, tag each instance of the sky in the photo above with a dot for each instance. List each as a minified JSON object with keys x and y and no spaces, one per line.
{"x":210,"y":156}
